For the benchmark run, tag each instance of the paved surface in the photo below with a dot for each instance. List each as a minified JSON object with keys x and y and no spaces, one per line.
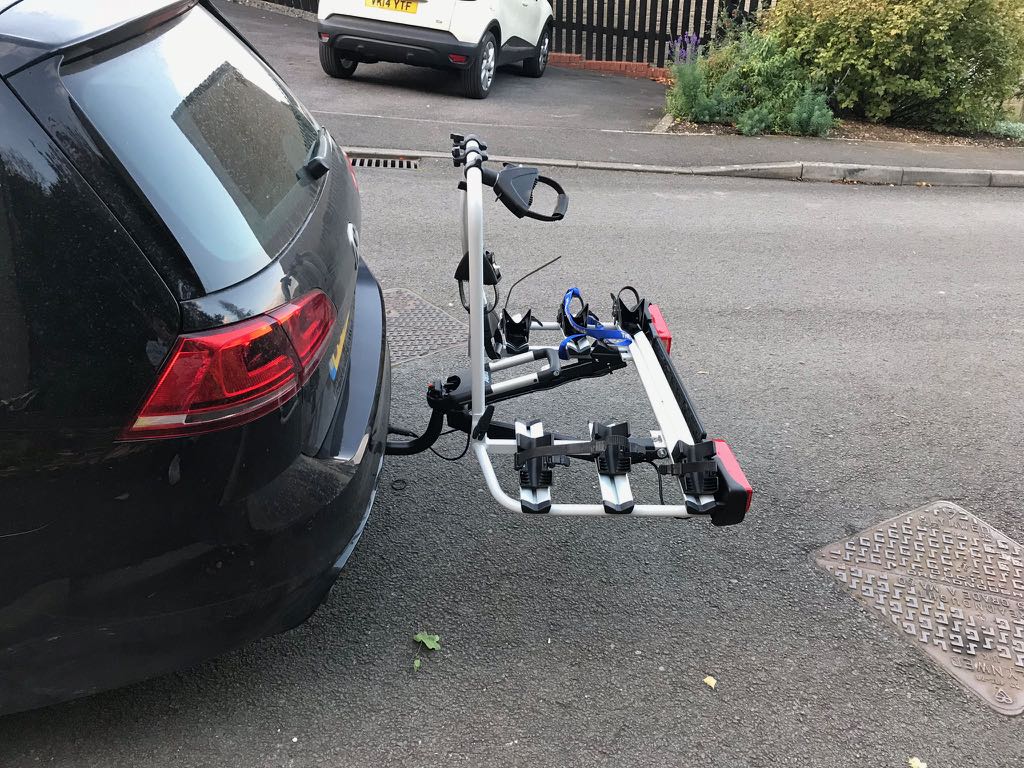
{"x":418,"y":105}
{"x":567,"y":114}
{"x":861,"y":348}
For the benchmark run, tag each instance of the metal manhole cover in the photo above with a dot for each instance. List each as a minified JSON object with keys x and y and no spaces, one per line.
{"x":953,"y":585}
{"x":417,"y":328}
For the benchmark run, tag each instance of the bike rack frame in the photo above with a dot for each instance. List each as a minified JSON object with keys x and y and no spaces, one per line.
{"x":680,"y":437}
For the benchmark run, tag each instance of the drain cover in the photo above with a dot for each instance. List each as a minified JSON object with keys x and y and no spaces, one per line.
{"x":417,"y":328}
{"x":953,"y":585}
{"x":377,"y":161}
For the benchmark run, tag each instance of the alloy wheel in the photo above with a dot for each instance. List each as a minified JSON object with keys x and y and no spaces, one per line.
{"x":487,"y":66}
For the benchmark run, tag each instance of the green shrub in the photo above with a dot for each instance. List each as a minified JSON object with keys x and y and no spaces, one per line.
{"x":687,"y":86}
{"x":947,"y":65}
{"x":752,"y":81}
{"x":756,"y":120}
{"x":689,"y":95}
{"x":810,"y":115}
{"x":1008,"y":129}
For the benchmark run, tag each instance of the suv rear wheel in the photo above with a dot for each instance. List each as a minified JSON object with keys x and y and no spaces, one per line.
{"x":333,"y":63}
{"x":478,"y":76}
{"x":535,"y":65}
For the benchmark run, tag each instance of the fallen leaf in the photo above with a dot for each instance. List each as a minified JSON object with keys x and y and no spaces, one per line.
{"x":432,"y":642}
{"x":710,"y":682}
{"x":916,"y":762}
{"x":416,"y":664}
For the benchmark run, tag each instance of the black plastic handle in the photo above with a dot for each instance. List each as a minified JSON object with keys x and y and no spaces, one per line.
{"x":561,"y":206}
{"x":514,"y":186}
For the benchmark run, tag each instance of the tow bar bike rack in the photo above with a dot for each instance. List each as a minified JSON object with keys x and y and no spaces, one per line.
{"x":706,"y":472}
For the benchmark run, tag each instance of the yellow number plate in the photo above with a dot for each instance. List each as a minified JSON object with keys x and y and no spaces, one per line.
{"x":403,"y":6}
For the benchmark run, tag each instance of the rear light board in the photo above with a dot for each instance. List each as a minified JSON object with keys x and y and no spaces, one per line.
{"x":661,"y":327}
{"x":232,"y":375}
{"x":734,"y":477}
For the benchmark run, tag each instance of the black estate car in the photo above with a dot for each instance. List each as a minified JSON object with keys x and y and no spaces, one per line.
{"x":194,"y":378}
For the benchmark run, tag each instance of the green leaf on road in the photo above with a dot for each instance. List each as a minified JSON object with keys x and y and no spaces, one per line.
{"x":416,"y":664}
{"x":432,"y":642}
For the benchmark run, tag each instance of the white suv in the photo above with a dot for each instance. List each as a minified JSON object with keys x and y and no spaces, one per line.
{"x":474,"y":36}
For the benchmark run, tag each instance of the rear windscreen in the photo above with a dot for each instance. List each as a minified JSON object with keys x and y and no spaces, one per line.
{"x":209,"y":135}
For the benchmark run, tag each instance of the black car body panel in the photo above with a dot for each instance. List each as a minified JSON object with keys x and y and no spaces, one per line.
{"x":35,"y":29}
{"x":121,"y":560}
{"x":179,"y":550}
{"x":41,"y":89}
{"x":75,"y":293}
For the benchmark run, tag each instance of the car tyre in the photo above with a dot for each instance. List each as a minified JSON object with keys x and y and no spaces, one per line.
{"x":535,"y":65}
{"x":334,"y":64}
{"x":478,"y":77}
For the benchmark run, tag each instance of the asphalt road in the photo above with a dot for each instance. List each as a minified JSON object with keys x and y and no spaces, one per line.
{"x":861,"y":347}
{"x":567,"y":114}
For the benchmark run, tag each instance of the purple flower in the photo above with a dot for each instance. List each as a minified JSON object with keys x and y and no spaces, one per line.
{"x":692,"y":46}
{"x":685,"y":49}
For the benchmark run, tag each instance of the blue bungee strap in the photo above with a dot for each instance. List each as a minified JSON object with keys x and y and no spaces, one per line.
{"x":593,"y":327}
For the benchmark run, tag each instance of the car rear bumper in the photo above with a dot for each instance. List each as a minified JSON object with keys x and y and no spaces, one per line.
{"x":218,"y":573}
{"x":374,"y":40}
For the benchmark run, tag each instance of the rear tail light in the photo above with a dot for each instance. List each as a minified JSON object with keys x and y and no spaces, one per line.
{"x":351,"y":169}
{"x":232,"y":375}
{"x":307,"y":322}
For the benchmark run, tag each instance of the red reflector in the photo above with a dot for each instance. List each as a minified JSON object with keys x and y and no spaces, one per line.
{"x":457,"y":58}
{"x":325,"y":37}
{"x":229,"y":376}
{"x":351,"y":169}
{"x":732,"y":467}
{"x":661,"y":327}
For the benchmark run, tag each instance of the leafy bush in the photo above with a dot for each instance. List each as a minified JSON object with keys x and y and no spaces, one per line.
{"x":947,"y":65}
{"x":693,"y":97}
{"x":756,"y":120}
{"x":752,"y":81}
{"x":1008,"y":129}
{"x":810,"y":115}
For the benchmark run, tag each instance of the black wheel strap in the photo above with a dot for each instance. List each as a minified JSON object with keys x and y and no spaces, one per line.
{"x":686,"y":468}
{"x":590,"y":449}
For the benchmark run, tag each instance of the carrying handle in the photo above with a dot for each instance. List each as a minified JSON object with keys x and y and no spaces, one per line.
{"x":561,"y":206}
{"x":514,"y":186}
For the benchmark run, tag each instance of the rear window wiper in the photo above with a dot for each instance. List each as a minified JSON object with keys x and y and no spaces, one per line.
{"x":317,"y":161}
